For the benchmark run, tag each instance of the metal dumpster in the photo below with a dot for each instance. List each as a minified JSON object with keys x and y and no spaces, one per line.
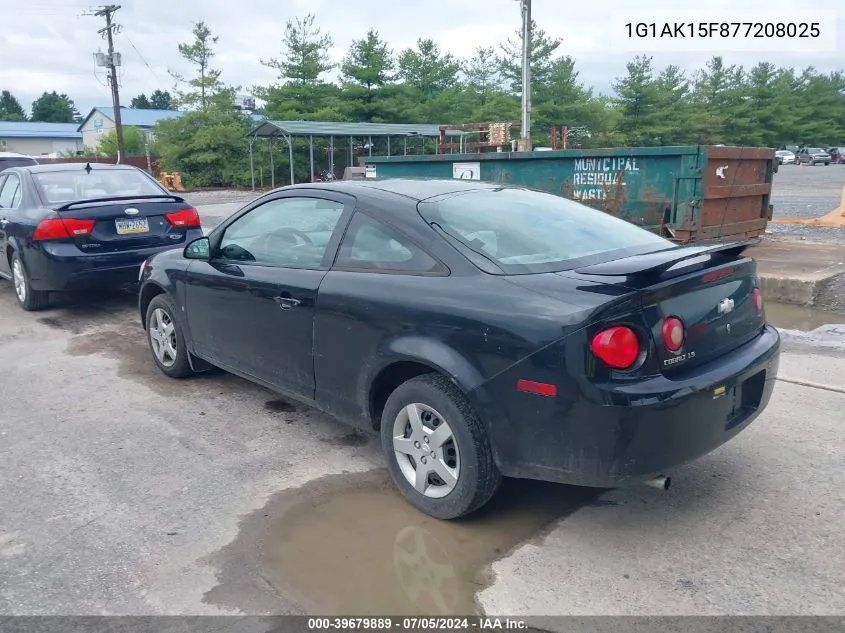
{"x":687,"y":194}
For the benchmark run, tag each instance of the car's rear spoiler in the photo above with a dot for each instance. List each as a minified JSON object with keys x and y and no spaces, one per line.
{"x":661,"y":261}
{"x":78,"y":203}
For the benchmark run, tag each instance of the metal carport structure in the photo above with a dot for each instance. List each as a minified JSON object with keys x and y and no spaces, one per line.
{"x":288,"y":130}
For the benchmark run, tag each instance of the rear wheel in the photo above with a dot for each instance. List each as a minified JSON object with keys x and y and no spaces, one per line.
{"x":437,"y":448}
{"x":166,"y":340}
{"x":28,"y":298}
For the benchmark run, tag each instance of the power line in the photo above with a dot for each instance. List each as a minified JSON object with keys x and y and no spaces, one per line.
{"x":142,"y":58}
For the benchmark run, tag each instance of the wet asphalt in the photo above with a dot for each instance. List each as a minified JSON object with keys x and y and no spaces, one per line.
{"x":125,"y":492}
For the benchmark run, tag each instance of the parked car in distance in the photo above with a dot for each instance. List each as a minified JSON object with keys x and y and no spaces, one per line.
{"x":785,"y":157}
{"x":485,"y":331}
{"x":12,"y":159}
{"x":837,"y":154}
{"x":812,"y":156}
{"x":72,"y":227}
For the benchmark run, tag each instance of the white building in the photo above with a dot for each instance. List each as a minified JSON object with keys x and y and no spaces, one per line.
{"x":39,"y":139}
{"x":101,"y":120}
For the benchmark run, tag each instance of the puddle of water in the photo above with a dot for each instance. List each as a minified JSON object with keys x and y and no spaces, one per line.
{"x":350,"y":544}
{"x":792,"y":317}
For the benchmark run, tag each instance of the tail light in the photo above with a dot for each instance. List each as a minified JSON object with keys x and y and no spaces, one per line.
{"x":673,"y":333}
{"x":617,"y":346}
{"x":62,"y":228}
{"x":758,"y":300}
{"x":184,"y":217}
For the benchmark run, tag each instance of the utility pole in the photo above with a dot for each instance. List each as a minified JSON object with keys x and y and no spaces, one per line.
{"x":112,"y":60}
{"x":525,"y":140}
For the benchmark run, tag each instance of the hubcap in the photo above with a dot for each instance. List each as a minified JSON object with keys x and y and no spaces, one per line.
{"x":426,"y":450}
{"x":162,"y":335}
{"x":19,"y":281}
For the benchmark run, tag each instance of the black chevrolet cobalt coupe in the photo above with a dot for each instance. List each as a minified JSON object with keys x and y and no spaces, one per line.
{"x":77,"y":226}
{"x":483,"y":330}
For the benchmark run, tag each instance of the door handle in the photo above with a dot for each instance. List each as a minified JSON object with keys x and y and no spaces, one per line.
{"x":286,"y":303}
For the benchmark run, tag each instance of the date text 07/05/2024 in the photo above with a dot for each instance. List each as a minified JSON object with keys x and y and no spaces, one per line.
{"x":766,"y":30}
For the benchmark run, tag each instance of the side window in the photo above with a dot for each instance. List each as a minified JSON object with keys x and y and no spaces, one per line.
{"x":10,"y":194}
{"x":370,"y":245}
{"x":290,"y":232}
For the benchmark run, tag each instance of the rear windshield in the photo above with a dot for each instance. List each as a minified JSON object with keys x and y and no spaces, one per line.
{"x":524,"y":231}
{"x":5,"y":163}
{"x":78,"y":184}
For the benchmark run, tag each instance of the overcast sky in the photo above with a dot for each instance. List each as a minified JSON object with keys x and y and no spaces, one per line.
{"x":48,"y":44}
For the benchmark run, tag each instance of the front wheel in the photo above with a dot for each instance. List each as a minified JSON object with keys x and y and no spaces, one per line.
{"x":437,"y":449}
{"x":165,"y":338}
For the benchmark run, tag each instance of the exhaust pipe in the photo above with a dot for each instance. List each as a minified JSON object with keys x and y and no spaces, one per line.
{"x":661,"y":482}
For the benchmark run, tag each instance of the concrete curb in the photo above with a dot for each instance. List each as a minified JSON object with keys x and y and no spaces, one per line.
{"x":794,"y":290}
{"x":789,"y":290}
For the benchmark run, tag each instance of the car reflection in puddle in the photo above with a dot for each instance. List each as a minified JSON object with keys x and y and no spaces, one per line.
{"x":351,"y":545}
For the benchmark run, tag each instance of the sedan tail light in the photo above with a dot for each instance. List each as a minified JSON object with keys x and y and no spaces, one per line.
{"x":617,"y":346}
{"x":673,"y":333}
{"x":62,"y":228}
{"x":184,"y":217}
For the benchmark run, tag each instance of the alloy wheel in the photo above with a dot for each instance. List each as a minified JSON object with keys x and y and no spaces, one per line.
{"x":162,"y":333}
{"x":19,"y":280}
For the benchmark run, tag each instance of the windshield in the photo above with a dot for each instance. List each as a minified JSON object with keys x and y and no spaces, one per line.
{"x":78,"y":184}
{"x":524,"y":231}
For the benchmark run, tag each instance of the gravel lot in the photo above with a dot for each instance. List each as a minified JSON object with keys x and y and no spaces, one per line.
{"x":807,"y":192}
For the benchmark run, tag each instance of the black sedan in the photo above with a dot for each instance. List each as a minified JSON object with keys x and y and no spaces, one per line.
{"x":77,"y":226}
{"x":483,"y":330}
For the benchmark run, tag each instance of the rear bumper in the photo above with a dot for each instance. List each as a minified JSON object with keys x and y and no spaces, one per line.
{"x":62,"y":267}
{"x":665,"y":423}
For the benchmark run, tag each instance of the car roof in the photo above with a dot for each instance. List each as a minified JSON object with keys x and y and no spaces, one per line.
{"x":13,"y":155}
{"x":37,"y":169}
{"x":414,"y":188}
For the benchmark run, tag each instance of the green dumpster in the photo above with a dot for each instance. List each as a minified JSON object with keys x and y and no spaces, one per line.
{"x":687,"y":194}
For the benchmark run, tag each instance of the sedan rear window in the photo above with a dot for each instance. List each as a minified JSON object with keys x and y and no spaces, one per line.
{"x":78,"y":184}
{"x":6,"y":162}
{"x":524,"y":231}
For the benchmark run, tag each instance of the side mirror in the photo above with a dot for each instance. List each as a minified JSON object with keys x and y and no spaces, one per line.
{"x":198,"y":249}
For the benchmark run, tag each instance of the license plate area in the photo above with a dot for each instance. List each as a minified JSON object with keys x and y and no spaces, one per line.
{"x":746,"y":397}
{"x":132,"y":226}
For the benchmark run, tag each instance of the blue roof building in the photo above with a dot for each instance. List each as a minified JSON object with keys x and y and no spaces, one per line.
{"x":101,"y":120}
{"x":39,"y":139}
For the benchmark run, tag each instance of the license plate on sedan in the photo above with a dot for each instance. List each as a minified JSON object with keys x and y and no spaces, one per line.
{"x":128,"y":227}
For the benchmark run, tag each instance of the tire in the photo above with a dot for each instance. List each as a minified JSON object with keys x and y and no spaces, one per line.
{"x":28,"y":299}
{"x":827,"y":164}
{"x":467,"y":453}
{"x":159,"y":316}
